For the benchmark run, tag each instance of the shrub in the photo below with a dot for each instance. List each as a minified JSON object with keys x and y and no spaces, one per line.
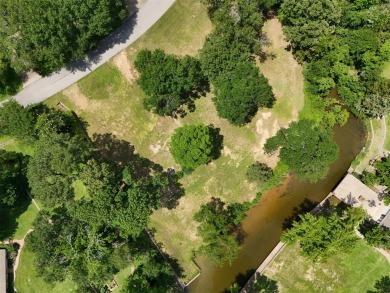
{"x":259,"y":172}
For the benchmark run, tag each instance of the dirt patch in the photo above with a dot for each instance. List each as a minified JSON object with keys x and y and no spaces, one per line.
{"x":79,"y":99}
{"x":125,"y":67}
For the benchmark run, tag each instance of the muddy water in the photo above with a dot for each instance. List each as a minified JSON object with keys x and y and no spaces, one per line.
{"x":265,"y":222}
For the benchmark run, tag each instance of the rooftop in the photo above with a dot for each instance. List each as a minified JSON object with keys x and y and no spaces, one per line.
{"x":3,"y":271}
{"x":356,"y":194}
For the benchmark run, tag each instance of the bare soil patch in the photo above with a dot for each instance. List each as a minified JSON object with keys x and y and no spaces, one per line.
{"x":125,"y":67}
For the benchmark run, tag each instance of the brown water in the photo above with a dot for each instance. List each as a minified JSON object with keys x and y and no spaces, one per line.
{"x":265,"y":222}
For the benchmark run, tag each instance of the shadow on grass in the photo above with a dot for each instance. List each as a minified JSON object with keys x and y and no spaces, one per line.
{"x":122,"y":153}
{"x":9,"y":216}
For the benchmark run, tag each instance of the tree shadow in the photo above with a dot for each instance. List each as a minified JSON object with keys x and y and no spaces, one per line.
{"x":240,"y":233}
{"x":302,"y":208}
{"x":9,"y":216}
{"x":382,"y":285}
{"x":264,"y":284}
{"x":242,"y":278}
{"x":119,"y":36}
{"x":218,"y":141}
{"x":123,"y":153}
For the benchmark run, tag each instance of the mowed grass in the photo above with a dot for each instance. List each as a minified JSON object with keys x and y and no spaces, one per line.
{"x":102,"y":83}
{"x":387,"y":139}
{"x":27,"y":280}
{"x":386,"y":70}
{"x":182,"y":30}
{"x":80,"y":190}
{"x":355,"y":272}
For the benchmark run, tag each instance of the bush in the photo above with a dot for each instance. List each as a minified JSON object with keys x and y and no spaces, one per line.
{"x":195,"y":145}
{"x":259,"y":172}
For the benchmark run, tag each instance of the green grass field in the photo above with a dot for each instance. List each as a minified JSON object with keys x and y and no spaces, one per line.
{"x":386,"y":70}
{"x":387,"y":139}
{"x":345,"y":273}
{"x":182,"y":30}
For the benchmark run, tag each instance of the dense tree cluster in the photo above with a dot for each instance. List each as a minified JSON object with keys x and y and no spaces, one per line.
{"x":376,"y":235}
{"x":380,"y":175}
{"x":46,"y":35}
{"x":343,"y":43}
{"x":195,"y":145}
{"x":306,"y":149}
{"x":169,"y":82}
{"x":322,"y":236}
{"x":227,"y":60}
{"x":220,"y":229}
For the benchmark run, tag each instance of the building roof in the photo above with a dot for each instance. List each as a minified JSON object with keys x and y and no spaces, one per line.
{"x":3,"y":271}
{"x":386,"y":220}
{"x":356,"y":194}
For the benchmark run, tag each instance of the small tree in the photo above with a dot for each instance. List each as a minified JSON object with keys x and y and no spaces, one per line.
{"x":195,"y":145}
{"x":259,"y":172}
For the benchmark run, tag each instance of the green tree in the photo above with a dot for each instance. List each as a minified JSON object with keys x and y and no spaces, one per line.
{"x":378,"y":236}
{"x":307,"y":23}
{"x":52,"y":169}
{"x":321,"y":236}
{"x":240,"y":92}
{"x":259,"y":172}
{"x":169,"y":82}
{"x":218,"y":223}
{"x":16,"y":121}
{"x":195,"y":145}
{"x":46,"y":35}
{"x":306,"y":149}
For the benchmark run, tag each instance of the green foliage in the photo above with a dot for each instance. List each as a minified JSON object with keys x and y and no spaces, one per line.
{"x":52,"y":169}
{"x":307,"y":23}
{"x":47,"y":35}
{"x":195,"y":145}
{"x":377,"y":236}
{"x":306,"y":149}
{"x":219,"y":228}
{"x":344,"y":44}
{"x":259,"y":172}
{"x":382,"y":171}
{"x":240,"y":92}
{"x":169,"y":82}
{"x":152,"y":275}
{"x":226,"y":58}
{"x":16,"y":121}
{"x":321,"y":236}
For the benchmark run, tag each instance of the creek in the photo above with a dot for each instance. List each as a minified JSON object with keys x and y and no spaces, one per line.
{"x":266,"y":221}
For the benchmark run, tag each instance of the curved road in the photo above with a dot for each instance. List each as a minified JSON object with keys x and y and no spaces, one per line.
{"x":120,"y":39}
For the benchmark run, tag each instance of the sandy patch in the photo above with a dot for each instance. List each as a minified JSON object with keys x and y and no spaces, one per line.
{"x":125,"y":67}
{"x":79,"y":99}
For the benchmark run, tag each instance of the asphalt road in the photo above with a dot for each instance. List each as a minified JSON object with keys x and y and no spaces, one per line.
{"x":120,"y":39}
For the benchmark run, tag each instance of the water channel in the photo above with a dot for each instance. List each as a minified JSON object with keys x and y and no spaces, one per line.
{"x":265,"y":222}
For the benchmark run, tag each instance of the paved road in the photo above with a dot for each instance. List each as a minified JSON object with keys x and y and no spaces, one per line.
{"x":132,"y":29}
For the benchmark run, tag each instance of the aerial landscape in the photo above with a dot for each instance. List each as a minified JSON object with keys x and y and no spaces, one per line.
{"x":195,"y":146}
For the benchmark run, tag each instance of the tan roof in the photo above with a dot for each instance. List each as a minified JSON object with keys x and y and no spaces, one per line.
{"x":355,"y":193}
{"x":3,"y":271}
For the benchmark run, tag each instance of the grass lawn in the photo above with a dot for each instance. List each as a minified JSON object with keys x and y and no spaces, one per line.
{"x":119,"y":111}
{"x":344,"y":273}
{"x":28,"y":282}
{"x":371,"y":148}
{"x":386,"y":146}
{"x":80,"y":190}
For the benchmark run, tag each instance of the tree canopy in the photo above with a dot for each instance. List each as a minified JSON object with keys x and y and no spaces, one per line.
{"x":46,"y":35}
{"x":195,"y":145}
{"x":219,"y":228}
{"x":227,"y":60}
{"x":324,"y":235}
{"x":168,"y":81}
{"x":306,"y":149}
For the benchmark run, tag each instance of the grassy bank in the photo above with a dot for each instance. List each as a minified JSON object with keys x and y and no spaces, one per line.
{"x":344,"y":273}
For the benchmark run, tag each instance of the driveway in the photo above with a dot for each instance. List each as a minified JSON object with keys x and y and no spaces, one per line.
{"x":120,"y":39}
